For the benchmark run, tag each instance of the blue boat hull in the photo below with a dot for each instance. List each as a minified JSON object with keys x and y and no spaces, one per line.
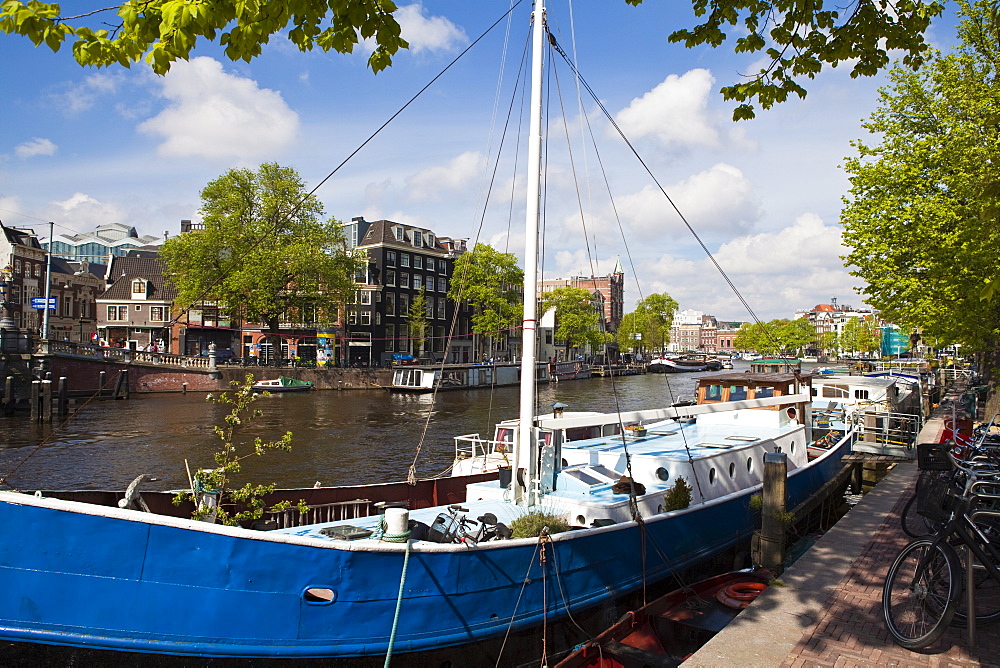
{"x":80,"y":575}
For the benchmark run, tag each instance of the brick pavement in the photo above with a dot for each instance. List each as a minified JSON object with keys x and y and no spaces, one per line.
{"x":850,"y":630}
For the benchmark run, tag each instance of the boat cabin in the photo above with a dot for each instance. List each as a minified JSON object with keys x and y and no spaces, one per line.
{"x":724,"y":387}
{"x":776,"y":365}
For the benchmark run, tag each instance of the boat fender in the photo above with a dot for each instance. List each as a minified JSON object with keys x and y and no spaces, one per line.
{"x":738,"y":596}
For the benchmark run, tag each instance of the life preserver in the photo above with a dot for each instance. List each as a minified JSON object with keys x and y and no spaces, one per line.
{"x":738,"y":596}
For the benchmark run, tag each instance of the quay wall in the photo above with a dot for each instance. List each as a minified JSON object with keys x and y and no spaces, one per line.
{"x":85,"y":375}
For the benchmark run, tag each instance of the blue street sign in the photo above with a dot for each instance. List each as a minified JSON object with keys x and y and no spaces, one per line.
{"x":39,"y":302}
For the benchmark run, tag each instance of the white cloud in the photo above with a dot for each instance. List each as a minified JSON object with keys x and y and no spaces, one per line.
{"x":430,"y":184}
{"x":434,"y":33}
{"x":81,"y":97}
{"x":719,"y":199}
{"x":37,"y":146}
{"x":675,"y":112}
{"x":82,"y":213}
{"x":216,"y":115}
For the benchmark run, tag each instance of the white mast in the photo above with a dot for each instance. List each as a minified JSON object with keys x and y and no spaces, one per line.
{"x":526,"y":454}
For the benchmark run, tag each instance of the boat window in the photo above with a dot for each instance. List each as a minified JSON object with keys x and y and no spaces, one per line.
{"x":750,"y":464}
{"x":835,"y":391}
{"x":763,"y":392}
{"x":732,"y":469}
{"x":713,"y":393}
{"x":737,"y":393}
{"x":793,"y":447}
{"x":663,"y":474}
{"x":711,"y":476}
{"x":319,"y":595}
{"x":505,"y":434}
{"x":860,"y":394}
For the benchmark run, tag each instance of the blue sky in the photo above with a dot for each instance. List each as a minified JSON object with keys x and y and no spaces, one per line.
{"x":83,"y":147}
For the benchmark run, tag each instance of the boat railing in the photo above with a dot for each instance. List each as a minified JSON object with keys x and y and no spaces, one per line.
{"x":324,"y":512}
{"x":469,"y":446}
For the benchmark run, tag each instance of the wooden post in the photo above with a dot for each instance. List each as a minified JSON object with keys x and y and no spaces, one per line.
{"x":184,"y":387}
{"x":63,"y":396}
{"x":46,"y":399}
{"x":772,"y":523}
{"x":36,"y":386}
{"x":9,"y":400}
{"x":100,"y":384}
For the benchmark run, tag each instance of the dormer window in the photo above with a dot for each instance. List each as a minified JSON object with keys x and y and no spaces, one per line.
{"x":399,"y":233}
{"x":418,"y":239}
{"x":429,"y":238}
{"x":140,"y":288}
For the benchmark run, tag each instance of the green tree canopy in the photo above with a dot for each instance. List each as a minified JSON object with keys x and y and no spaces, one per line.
{"x":491,"y":282}
{"x":921,"y":218}
{"x":798,"y":38}
{"x":648,"y":327}
{"x":416,"y":321}
{"x":861,"y":335}
{"x":164,"y":31}
{"x":578,"y":320}
{"x":776,"y":337}
{"x":261,"y":256}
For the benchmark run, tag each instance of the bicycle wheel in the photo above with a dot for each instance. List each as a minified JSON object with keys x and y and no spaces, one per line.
{"x":987,"y":598}
{"x":914,"y":524}
{"x":917,"y":610}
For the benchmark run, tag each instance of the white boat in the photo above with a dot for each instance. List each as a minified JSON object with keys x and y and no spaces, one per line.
{"x":412,"y":580}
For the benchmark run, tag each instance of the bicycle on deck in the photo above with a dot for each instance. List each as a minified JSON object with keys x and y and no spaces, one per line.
{"x":923,"y":588}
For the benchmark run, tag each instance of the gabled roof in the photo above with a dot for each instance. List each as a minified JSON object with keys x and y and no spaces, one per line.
{"x":19,"y":237}
{"x":381,"y":232}
{"x":123,"y":270}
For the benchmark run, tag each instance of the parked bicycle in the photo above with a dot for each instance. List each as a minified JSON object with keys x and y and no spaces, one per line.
{"x":923,"y":589}
{"x":455,"y":527}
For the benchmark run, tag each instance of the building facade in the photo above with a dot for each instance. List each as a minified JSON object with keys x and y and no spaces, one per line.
{"x":405,"y":264}
{"x":24,"y":261}
{"x":611,"y":289}
{"x":134,"y":311}
{"x":112,"y":239}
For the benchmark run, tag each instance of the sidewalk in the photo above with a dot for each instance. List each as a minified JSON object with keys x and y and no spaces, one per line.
{"x":828,"y":613}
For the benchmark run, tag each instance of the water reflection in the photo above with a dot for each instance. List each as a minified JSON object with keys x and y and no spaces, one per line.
{"x":339,"y":437}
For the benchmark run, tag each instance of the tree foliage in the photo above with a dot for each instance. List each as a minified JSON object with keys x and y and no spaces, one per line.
{"x":776,"y":337}
{"x":264,"y":253}
{"x":647,"y":328}
{"x":921,"y":218}
{"x":161,"y":32}
{"x":861,"y":335}
{"x":578,"y":320}
{"x":798,"y":38}
{"x":416,"y":321}
{"x":490,"y":281}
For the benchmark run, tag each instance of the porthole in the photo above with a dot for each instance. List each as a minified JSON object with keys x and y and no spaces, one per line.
{"x":319,"y":595}
{"x":711,"y":476}
{"x":732,"y":469}
{"x":750,"y":464}
{"x":581,"y":520}
{"x":792,"y":449}
{"x":663,"y":474}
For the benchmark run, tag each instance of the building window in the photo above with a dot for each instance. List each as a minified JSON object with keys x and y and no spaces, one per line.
{"x":366,"y":297}
{"x":390,"y":258}
{"x":440,"y":311}
{"x":390,"y":277}
{"x":15,"y":295}
{"x":418,"y":240}
{"x":430,"y":284}
{"x":118,"y":313}
{"x":157,"y":313}
{"x":404,"y":280}
{"x":399,"y":233}
{"x":352,"y":318}
{"x":17,"y":266}
{"x":138,"y":307}
{"x":390,"y":303}
{"x":390,"y":337}
{"x":366,"y":317}
{"x":439,"y":339}
{"x":38,"y":270}
{"x":418,"y":282}
{"x":442,"y":284}
{"x":404,"y":305}
{"x":429,"y":307}
{"x":442,"y":266}
{"x":429,"y":238}
{"x":418,"y":262}
{"x":404,"y":260}
{"x":378,"y":318}
{"x":138,"y":287}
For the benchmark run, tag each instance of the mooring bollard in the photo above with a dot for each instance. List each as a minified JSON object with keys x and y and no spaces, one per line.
{"x":184,"y":388}
{"x":63,"y":401}
{"x":46,"y":399}
{"x":36,"y":388}
{"x":773,"y":519}
{"x":8,"y":395}
{"x":101,"y":382}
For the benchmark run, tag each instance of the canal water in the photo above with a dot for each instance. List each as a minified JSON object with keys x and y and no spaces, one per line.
{"x":339,"y":438}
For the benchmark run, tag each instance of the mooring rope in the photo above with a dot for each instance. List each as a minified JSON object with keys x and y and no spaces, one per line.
{"x":399,"y":597}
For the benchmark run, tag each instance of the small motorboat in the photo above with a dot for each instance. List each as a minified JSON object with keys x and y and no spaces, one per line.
{"x":674,"y":626}
{"x":283,"y":384}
